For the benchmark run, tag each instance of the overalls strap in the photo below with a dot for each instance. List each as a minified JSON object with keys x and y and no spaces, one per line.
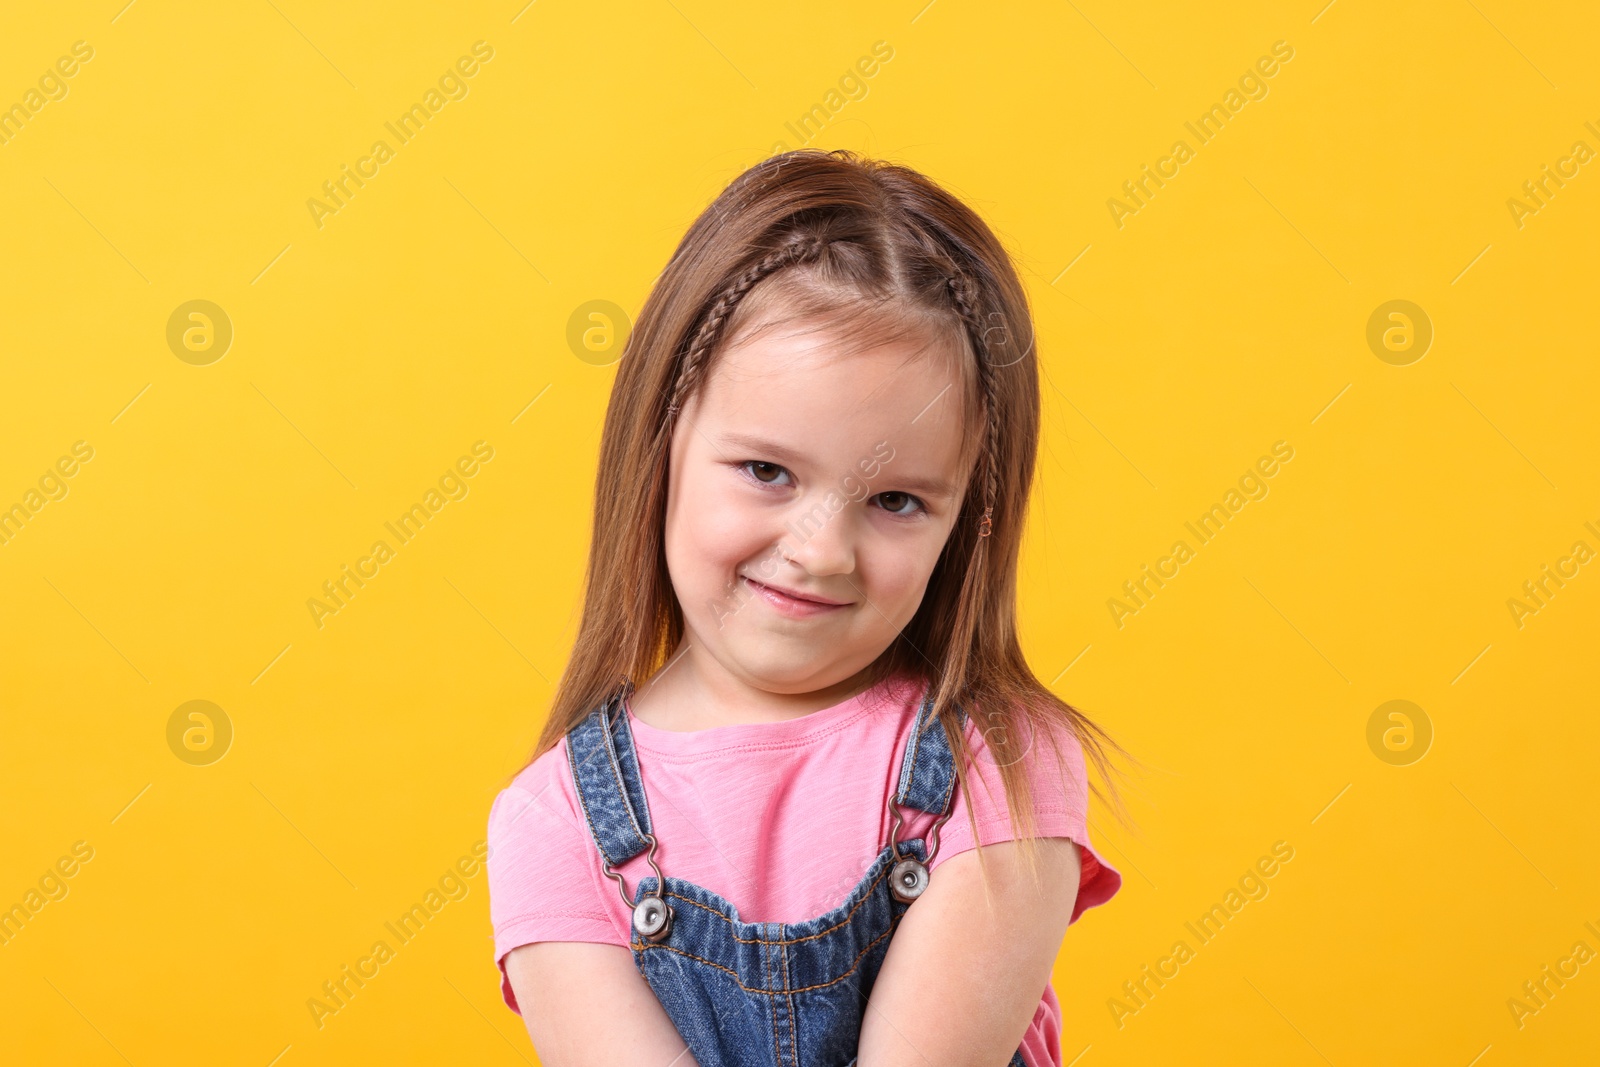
{"x":927,"y":770}
{"x":605,"y":769}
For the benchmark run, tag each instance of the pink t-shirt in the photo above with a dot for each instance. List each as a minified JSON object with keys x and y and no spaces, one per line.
{"x":782,"y":819}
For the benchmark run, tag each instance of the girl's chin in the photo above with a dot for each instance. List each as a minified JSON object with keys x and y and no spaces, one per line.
{"x":784,"y":678}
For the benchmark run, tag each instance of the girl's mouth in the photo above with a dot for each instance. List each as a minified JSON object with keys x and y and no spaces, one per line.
{"x":792,"y":606}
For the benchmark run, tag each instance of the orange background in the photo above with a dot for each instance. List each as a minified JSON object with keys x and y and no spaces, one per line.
{"x":371,"y":347}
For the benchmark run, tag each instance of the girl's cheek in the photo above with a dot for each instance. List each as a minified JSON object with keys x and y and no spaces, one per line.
{"x":897,"y":569}
{"x":727,"y":524}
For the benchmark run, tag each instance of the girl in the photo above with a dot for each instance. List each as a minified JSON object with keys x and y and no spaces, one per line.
{"x":813,"y":476}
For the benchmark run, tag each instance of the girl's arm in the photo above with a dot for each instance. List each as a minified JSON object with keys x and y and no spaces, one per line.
{"x":963,"y":975}
{"x":586,"y":1005}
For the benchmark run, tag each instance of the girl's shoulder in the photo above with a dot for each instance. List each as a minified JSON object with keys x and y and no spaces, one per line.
{"x":538,"y":800}
{"x":1046,"y":748}
{"x":543,"y":867}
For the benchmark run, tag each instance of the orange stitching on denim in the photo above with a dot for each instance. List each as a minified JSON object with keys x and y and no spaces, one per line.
{"x":809,"y":937}
{"x":766,"y":972}
{"x":794,"y":1042}
{"x":642,"y":947}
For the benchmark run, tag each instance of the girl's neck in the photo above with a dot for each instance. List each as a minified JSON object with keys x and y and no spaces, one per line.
{"x":680,"y":698}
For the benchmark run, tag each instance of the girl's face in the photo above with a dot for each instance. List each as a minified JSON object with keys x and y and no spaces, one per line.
{"x":835,"y":478}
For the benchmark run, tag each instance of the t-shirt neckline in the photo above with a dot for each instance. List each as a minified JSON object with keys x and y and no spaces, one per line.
{"x":787,"y":733}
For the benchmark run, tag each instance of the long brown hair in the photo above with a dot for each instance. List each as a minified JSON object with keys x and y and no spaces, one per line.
{"x":850,"y":240}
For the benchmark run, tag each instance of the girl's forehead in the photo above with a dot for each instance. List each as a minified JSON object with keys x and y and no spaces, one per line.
{"x":817,"y":402}
{"x":828,"y":355}
{"x":814,"y":377}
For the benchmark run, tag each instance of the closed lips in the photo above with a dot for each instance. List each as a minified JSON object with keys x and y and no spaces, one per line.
{"x":811,"y":599}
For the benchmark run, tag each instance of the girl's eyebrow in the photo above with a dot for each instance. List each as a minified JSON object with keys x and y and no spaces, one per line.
{"x":751,"y":443}
{"x":936,"y":487}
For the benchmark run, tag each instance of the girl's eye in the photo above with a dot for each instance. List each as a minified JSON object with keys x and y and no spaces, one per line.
{"x":901,"y":505}
{"x":897,"y":503}
{"x":762,"y":471}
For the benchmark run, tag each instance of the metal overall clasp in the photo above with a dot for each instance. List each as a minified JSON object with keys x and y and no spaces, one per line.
{"x":652,"y":916}
{"x":908,"y":879}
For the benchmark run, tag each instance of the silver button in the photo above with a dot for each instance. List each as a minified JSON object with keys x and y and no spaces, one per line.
{"x":652,"y":918}
{"x":908,"y":879}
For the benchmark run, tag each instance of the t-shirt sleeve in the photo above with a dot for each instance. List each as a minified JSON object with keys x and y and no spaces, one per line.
{"x":1060,"y":809}
{"x":544,"y":875}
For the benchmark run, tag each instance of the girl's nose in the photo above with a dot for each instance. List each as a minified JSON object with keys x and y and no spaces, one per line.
{"x":821,"y":541}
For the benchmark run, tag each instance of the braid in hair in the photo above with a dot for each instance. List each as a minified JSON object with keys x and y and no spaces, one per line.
{"x":963,"y":292}
{"x":803,"y":249}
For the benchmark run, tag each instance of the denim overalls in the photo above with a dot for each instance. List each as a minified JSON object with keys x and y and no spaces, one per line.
{"x":757,"y":994}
